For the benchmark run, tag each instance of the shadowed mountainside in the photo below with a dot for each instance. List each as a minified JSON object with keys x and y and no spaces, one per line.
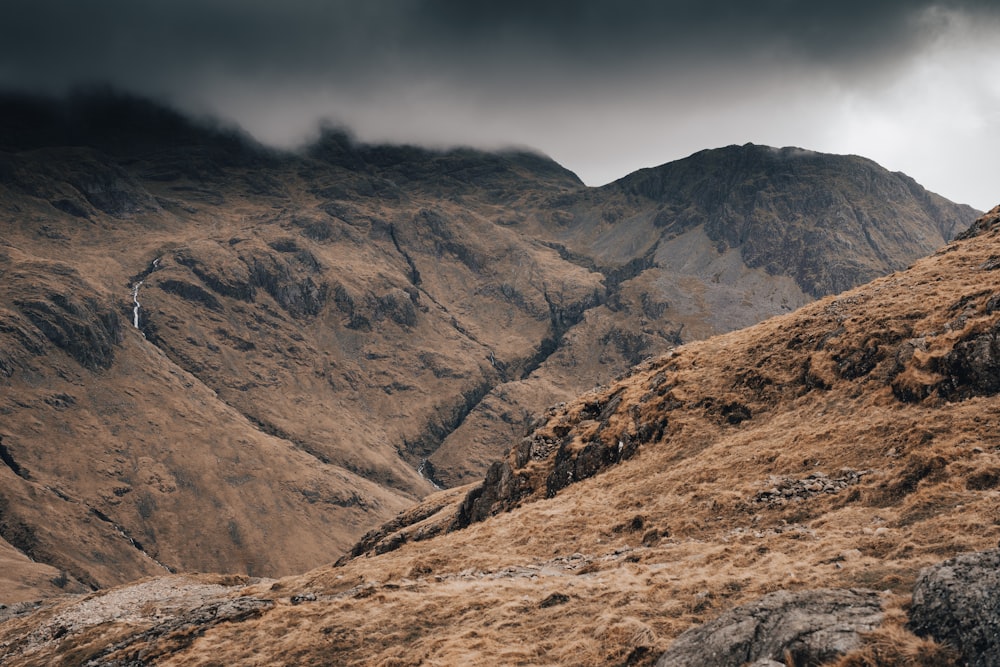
{"x":321,"y":335}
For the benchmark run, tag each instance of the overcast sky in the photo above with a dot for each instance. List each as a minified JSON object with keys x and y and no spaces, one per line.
{"x":605,"y":88}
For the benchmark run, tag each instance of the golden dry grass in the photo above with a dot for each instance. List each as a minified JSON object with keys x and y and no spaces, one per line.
{"x":893,"y":644}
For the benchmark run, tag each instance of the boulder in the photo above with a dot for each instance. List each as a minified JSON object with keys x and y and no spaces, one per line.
{"x":810,"y":627}
{"x":958,"y":602}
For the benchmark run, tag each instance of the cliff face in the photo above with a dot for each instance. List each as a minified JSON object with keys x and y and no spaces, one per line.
{"x":216,"y":356}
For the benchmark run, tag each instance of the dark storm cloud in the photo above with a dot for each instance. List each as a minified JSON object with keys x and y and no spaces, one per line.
{"x":604,"y":87}
{"x":144,"y":43}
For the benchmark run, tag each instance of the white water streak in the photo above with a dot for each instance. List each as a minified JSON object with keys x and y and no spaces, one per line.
{"x":420,"y":471}
{"x":135,"y":300}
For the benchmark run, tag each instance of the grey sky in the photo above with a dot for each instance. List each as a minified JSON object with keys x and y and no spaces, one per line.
{"x":603,"y":87}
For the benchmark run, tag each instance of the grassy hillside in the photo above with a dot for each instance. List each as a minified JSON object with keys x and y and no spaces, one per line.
{"x":845,"y":445}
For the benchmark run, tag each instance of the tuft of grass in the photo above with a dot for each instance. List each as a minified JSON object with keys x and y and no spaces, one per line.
{"x":892,"y":645}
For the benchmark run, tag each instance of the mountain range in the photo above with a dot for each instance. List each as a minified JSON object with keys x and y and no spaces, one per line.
{"x":218,"y":356}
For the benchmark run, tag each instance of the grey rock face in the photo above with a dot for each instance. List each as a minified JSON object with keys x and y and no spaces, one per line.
{"x":973,"y":366}
{"x":958,"y":602}
{"x":75,"y":319}
{"x":499,"y":490}
{"x":810,"y":626}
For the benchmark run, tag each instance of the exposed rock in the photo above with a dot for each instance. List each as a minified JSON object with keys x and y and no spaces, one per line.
{"x":191,"y":292}
{"x":987,"y":223}
{"x":22,"y":338}
{"x":553,"y":600}
{"x":166,"y":615}
{"x":283,"y":277}
{"x":747,"y":211}
{"x":498,"y":492}
{"x":74,"y":319}
{"x":8,"y":460}
{"x":281,"y":269}
{"x":958,"y":602}
{"x":973,"y":366}
{"x":784,"y":490}
{"x":228,"y":278}
{"x":111,"y":190}
{"x":573,"y":465}
{"x":811,"y":627}
{"x":397,"y":532}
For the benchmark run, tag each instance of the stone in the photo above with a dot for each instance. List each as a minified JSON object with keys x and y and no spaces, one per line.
{"x":498,"y":491}
{"x":958,"y":602}
{"x":811,"y":627}
{"x":972,"y":368}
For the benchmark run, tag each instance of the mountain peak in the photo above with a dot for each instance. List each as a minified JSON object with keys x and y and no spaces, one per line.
{"x":771,"y":203}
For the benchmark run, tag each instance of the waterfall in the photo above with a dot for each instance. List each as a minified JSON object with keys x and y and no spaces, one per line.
{"x":135,"y":292}
{"x":135,"y":300}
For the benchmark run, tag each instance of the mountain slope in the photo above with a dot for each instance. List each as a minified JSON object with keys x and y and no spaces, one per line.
{"x":713,"y":243}
{"x":845,"y":445}
{"x":322,"y":335}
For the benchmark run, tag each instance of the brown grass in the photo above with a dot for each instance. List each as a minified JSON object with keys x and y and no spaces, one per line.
{"x":892,"y":644}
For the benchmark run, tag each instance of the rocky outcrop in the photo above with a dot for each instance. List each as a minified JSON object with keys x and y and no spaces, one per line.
{"x":219,"y":273}
{"x":191,"y":292}
{"x":807,"y":627}
{"x":166,"y":615}
{"x":972,"y":368}
{"x":568,"y":458}
{"x":499,"y":490}
{"x":415,"y":524}
{"x":785,"y":490}
{"x":572,"y":464}
{"x":958,"y":602}
{"x":242,"y":268}
{"x":112,"y":190}
{"x":69,"y":313}
{"x":288,"y":277}
{"x":23,"y":340}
